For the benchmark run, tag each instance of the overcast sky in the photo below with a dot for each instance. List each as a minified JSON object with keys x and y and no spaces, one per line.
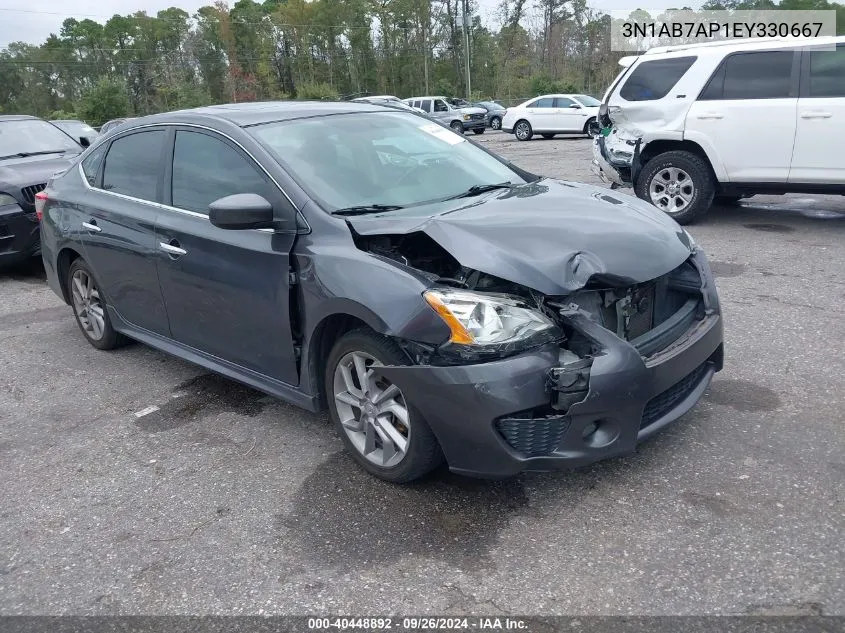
{"x":33,"y":20}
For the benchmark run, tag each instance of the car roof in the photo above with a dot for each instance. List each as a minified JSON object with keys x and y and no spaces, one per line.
{"x":18,"y":117}
{"x":723,"y":47}
{"x":255,"y":113}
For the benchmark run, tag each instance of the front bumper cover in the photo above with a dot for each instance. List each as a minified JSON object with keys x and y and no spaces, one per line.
{"x":487,"y":417}
{"x":19,"y":234}
{"x":620,"y":167}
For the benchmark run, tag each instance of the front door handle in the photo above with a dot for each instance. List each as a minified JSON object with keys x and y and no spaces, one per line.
{"x":816,"y":115}
{"x":710,"y":115}
{"x":172,"y":248}
{"x":91,"y":226}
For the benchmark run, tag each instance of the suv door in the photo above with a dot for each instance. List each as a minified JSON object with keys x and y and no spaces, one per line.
{"x":116,"y":225}
{"x":227,"y":292}
{"x":820,"y":133}
{"x":746,"y":113}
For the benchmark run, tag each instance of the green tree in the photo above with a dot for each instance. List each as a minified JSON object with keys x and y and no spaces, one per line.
{"x":106,"y":100}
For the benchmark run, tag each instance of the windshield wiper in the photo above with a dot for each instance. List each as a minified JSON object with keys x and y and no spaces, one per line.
{"x":479,"y":189}
{"x":367,"y":208}
{"x":28,"y":154}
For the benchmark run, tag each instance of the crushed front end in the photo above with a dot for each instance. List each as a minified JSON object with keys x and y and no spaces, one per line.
{"x":630,"y":361}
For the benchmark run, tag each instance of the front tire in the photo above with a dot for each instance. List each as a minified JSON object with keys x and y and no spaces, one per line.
{"x":89,"y":307}
{"x":385,"y":434}
{"x":457,"y":127}
{"x":496,"y":123}
{"x":678,"y":183}
{"x":522,"y":130}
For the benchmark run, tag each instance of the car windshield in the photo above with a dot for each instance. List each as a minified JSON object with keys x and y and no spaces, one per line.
{"x":588,"y":101}
{"x":32,"y":136}
{"x":389,"y":158}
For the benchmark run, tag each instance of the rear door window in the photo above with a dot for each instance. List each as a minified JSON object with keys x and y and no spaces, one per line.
{"x":426,"y":105}
{"x":91,"y":164}
{"x":827,"y":73}
{"x":653,"y":80}
{"x":764,"y":75}
{"x":133,"y":165}
{"x":546,"y":102}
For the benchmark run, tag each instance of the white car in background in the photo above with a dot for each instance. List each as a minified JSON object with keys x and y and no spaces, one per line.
{"x":548,"y":115}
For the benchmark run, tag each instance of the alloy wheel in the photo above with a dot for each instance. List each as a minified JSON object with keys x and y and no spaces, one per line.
{"x":496,"y":123}
{"x":372,"y":411}
{"x":88,"y":305}
{"x":522,"y":131}
{"x":671,"y":190}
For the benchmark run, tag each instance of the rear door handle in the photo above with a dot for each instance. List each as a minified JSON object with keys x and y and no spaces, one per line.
{"x":172,"y":248}
{"x":710,"y":115}
{"x":91,"y":226}
{"x":816,"y":115}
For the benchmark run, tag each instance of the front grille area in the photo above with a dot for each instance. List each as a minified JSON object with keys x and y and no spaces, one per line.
{"x":650,"y":315}
{"x":533,"y":437}
{"x":664,"y":402}
{"x":28,"y":193}
{"x":478,"y":117}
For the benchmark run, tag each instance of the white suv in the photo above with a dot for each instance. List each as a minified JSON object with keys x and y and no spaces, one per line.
{"x":686,"y":124}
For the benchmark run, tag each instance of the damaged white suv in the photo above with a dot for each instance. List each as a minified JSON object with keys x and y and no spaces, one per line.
{"x":684,"y":125}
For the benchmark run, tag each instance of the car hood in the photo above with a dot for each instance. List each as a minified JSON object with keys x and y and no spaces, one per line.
{"x":471,"y":110}
{"x":16,"y":173}
{"x":553,"y":236}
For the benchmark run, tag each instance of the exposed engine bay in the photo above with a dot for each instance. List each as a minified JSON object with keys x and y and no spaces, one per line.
{"x":649,"y":315}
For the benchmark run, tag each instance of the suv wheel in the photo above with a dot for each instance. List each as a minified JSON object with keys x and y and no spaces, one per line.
{"x":678,"y":183}
{"x":592,"y":128}
{"x":496,"y":123}
{"x":89,"y":308}
{"x":386,"y":435}
{"x":523,"y":130}
{"x":457,"y":127}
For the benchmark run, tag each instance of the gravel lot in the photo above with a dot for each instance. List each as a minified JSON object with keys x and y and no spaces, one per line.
{"x":226,"y":501}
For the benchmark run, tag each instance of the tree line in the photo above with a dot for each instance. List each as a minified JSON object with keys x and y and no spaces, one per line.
{"x":325,"y":49}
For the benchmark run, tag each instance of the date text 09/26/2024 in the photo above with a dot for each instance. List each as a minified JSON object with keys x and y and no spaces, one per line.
{"x":493,"y":623}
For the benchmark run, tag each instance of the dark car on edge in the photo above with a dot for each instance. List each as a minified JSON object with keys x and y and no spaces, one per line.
{"x":495,"y":113}
{"x":31,"y":150}
{"x":440,"y":301}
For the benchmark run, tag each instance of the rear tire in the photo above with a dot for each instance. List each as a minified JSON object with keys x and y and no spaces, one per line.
{"x":679,"y":183}
{"x":592,"y":128}
{"x":478,"y":131}
{"x":522,"y":130}
{"x":496,"y":123}
{"x":89,"y":307}
{"x":457,"y":127}
{"x":364,"y":422}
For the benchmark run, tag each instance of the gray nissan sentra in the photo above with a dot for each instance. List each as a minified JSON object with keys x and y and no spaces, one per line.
{"x":442,"y":303}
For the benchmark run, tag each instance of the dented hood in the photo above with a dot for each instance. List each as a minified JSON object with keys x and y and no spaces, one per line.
{"x":552,"y":236}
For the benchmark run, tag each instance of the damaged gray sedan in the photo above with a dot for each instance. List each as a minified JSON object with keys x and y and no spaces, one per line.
{"x":442,"y":303}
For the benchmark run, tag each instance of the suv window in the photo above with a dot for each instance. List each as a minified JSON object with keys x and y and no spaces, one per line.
{"x":133,"y":164}
{"x":91,"y":164}
{"x":547,"y":102}
{"x":206,"y":169}
{"x":827,"y":73}
{"x":563,"y":102}
{"x":425,"y":105}
{"x":763,"y":75}
{"x":440,"y":106}
{"x":653,"y":80}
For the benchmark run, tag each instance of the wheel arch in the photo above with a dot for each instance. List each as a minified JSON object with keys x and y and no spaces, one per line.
{"x":661,"y":146}
{"x":65,"y":258}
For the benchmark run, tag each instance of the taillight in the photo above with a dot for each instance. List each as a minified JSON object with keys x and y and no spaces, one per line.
{"x":40,"y":202}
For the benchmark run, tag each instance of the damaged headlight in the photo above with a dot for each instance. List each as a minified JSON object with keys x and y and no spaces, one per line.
{"x":487,"y":319}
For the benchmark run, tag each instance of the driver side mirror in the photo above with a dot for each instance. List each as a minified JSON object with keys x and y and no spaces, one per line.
{"x":83,"y":140}
{"x":242,"y":211}
{"x":575,"y":106}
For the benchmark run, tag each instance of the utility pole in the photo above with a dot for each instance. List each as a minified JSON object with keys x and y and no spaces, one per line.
{"x":466,"y":49}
